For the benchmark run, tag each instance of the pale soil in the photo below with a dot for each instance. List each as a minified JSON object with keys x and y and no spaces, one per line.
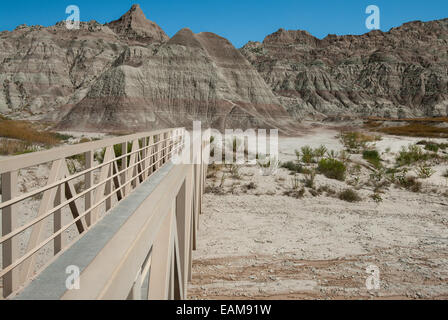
{"x":261,"y":244}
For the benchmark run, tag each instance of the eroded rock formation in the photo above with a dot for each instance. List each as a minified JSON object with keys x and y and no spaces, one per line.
{"x":400,"y":73}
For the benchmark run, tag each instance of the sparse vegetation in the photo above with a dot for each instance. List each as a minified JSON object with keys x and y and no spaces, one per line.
{"x":376,"y":197}
{"x":309,"y":179}
{"x":332,"y":169}
{"x":424,"y":172}
{"x":268,"y":166}
{"x":326,"y":188}
{"x":24,"y":131}
{"x":320,"y":152}
{"x":306,"y":155}
{"x":416,"y":130}
{"x":349,"y":195}
{"x":373,"y":157}
{"x":292,"y":166}
{"x":295,"y":182}
{"x":410,"y":155}
{"x":234,"y":171}
{"x":408,"y":182}
{"x":354,"y":141}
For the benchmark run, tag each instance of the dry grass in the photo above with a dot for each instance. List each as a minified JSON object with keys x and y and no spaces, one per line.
{"x":24,"y":131}
{"x":418,"y":127}
{"x":436,"y":119}
{"x":14,"y":147}
{"x":417,"y":130}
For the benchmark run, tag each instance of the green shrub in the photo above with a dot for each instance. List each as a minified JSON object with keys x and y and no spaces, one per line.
{"x":432,"y":147}
{"x":292,"y":166}
{"x":372,"y":156}
{"x":410,"y":155}
{"x":309,"y":179}
{"x":424,"y":172}
{"x":409,"y":182}
{"x":356,"y":141}
{"x":332,"y":169}
{"x":320,"y":152}
{"x":349,"y":195}
{"x":306,"y":154}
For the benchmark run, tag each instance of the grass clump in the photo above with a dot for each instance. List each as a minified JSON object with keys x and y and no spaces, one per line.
{"x":354,"y":141}
{"x":410,"y":155}
{"x":424,"y":172}
{"x":373,"y":157}
{"x":306,"y":154}
{"x":292,"y":166}
{"x":409,"y":182}
{"x":309,"y":180}
{"x":332,"y":169}
{"x":349,"y":195}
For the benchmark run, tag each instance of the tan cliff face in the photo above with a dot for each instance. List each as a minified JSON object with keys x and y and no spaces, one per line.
{"x":400,"y":73}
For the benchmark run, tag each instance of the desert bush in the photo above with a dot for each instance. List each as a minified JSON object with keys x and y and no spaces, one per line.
{"x":84,"y":140}
{"x":344,"y":156}
{"x":332,"y":154}
{"x":332,"y":169}
{"x":432,"y":147}
{"x":234,"y":171}
{"x":376,"y":197}
{"x":309,"y":180}
{"x":320,"y":152}
{"x":424,"y":172}
{"x":295,"y":182}
{"x":349,"y":195}
{"x":292,"y":166}
{"x":409,"y":182}
{"x":295,"y":193}
{"x":373,"y":157}
{"x":410,"y":155}
{"x":326,"y":188}
{"x":268,"y":166}
{"x":355,"y":141}
{"x":306,"y":154}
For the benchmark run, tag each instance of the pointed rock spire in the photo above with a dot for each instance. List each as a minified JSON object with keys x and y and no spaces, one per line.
{"x":133,"y":25}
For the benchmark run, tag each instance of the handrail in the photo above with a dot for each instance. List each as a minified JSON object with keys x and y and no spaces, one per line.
{"x":36,"y":158}
{"x":150,"y":152}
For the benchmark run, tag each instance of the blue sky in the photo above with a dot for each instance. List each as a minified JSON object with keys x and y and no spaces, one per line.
{"x":237,"y":20}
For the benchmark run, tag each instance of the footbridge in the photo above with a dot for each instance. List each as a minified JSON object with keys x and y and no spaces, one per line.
{"x":109,"y":219}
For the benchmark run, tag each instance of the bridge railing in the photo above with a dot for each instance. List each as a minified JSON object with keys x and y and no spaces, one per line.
{"x":84,"y":182}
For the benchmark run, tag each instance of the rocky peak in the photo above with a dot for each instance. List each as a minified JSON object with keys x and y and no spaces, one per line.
{"x":283,"y":36}
{"x":134,"y":25}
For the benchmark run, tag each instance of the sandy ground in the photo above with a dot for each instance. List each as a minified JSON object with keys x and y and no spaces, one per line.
{"x":261,"y":244}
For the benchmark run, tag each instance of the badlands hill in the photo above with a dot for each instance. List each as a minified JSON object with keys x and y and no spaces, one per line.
{"x":128,"y":75}
{"x":400,"y":73}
